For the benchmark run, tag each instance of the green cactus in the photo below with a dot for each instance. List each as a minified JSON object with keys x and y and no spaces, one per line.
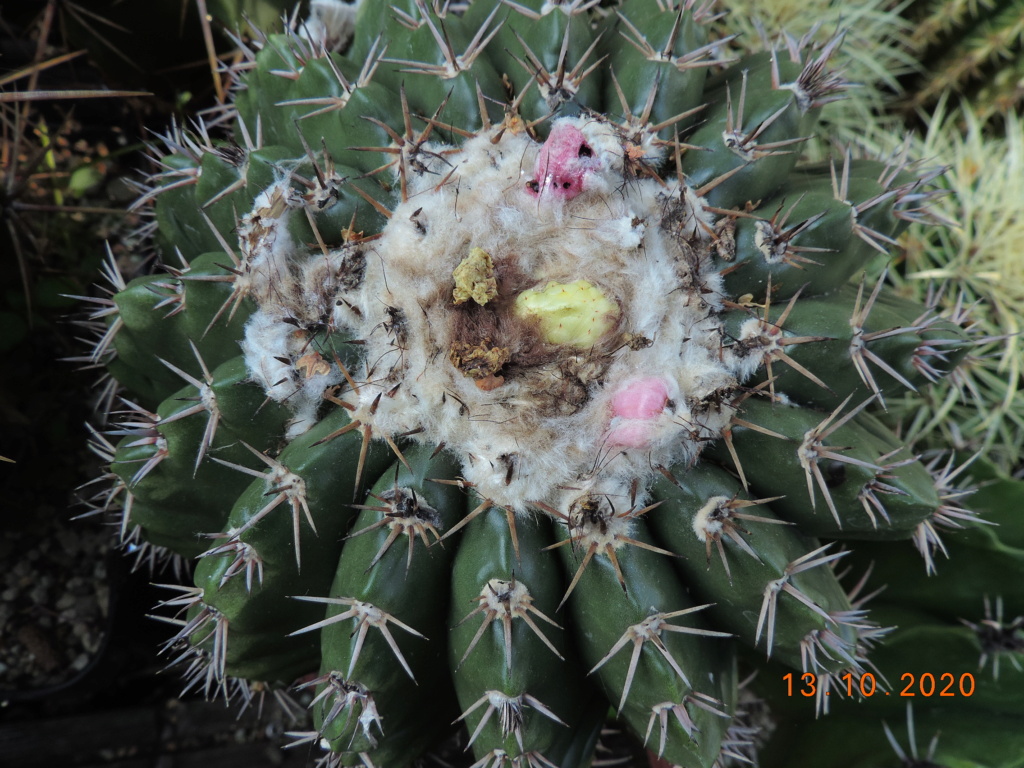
{"x":954,"y":664}
{"x":509,"y":373}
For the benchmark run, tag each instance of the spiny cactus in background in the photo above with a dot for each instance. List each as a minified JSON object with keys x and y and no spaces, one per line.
{"x":978,"y":262}
{"x":877,"y":55}
{"x":972,"y":49}
{"x":907,"y":56}
{"x":508,"y":367}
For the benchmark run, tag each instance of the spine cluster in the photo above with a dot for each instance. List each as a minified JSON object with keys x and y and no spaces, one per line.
{"x":514,"y":372}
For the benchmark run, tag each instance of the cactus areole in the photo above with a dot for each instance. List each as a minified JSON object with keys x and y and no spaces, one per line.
{"x":513,"y":368}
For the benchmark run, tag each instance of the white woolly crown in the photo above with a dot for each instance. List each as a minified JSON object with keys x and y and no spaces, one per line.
{"x":537,"y":421}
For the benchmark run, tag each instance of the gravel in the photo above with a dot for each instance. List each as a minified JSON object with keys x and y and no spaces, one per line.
{"x":54,"y":600}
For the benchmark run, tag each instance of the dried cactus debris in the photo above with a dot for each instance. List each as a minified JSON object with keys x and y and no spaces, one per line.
{"x":572,"y":276}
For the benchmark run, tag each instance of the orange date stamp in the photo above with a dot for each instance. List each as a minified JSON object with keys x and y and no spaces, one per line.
{"x":924,"y":684}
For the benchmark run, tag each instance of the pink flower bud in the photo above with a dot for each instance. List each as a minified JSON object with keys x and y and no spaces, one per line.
{"x":562,"y":163}
{"x":635,"y":409}
{"x":641,"y":399}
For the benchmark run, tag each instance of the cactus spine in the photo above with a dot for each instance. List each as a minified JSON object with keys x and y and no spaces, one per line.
{"x":519,"y":359}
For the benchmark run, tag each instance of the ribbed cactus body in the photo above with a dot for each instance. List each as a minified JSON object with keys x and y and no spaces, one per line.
{"x":554,"y":391}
